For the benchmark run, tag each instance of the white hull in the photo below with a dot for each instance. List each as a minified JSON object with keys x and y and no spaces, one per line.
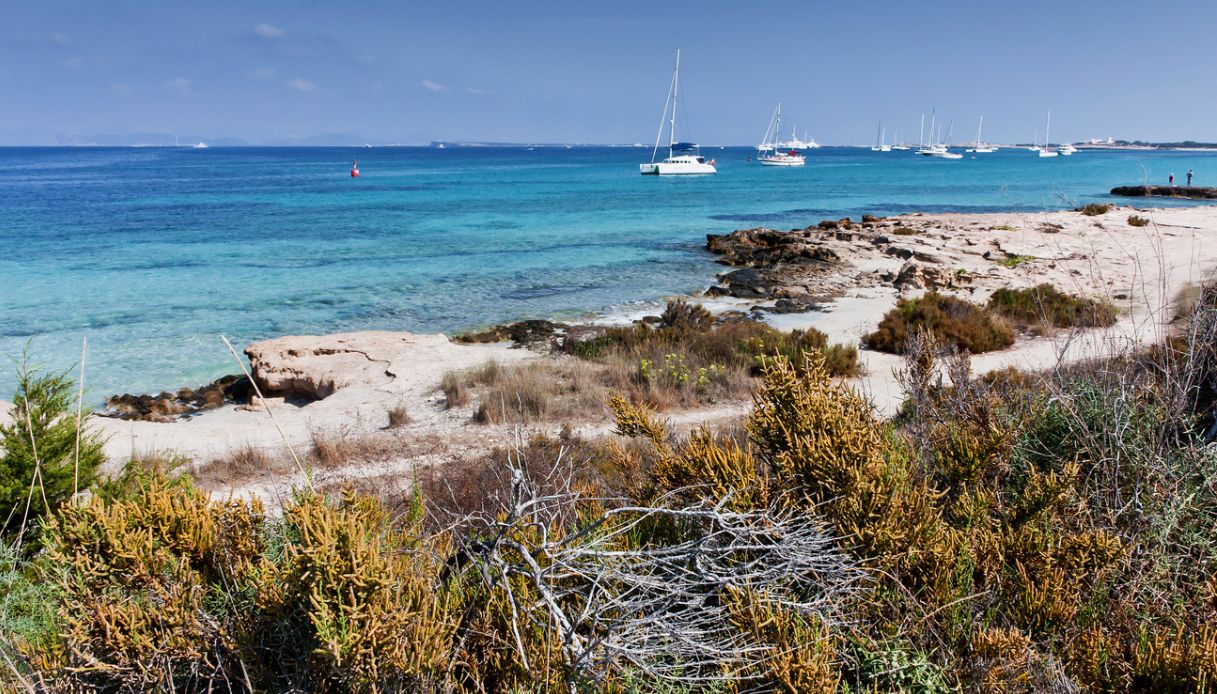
{"x":782,"y":161}
{"x":981,"y":150}
{"x":939,"y":154}
{"x":1045,"y":153}
{"x":676,"y":168}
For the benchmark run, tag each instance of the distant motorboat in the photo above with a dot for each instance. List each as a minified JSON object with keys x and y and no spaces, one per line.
{"x":1067,"y":150}
{"x":773,"y":153}
{"x":200,"y":145}
{"x":440,"y":146}
{"x":684,"y":158}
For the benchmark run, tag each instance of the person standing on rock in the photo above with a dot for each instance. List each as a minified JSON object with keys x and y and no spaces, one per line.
{"x":1189,"y":178}
{"x":1172,"y":180}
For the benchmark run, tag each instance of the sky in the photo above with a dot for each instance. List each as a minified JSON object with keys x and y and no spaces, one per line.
{"x":414,"y":71}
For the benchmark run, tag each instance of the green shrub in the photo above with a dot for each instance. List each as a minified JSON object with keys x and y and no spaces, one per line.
{"x":1047,"y":303}
{"x":38,"y":467}
{"x":1095,"y":209}
{"x":904,"y":231}
{"x":1014,"y":261}
{"x":952,"y":321}
{"x":1136,"y":221}
{"x":682,"y":316}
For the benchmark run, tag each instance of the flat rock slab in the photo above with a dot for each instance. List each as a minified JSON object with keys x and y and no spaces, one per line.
{"x":1166,"y":192}
{"x":314,"y":367}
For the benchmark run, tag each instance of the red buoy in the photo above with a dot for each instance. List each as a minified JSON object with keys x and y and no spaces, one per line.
{"x":355,"y":168}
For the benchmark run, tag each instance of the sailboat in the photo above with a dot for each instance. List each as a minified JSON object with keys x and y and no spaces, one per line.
{"x":981,"y":147}
{"x":881,"y":144}
{"x":900,"y":146}
{"x":1047,"y":150}
{"x":935,"y":148}
{"x":683,"y":157}
{"x":771,"y":152}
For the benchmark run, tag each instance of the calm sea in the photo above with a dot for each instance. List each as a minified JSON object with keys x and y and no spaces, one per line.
{"x":152,"y":253}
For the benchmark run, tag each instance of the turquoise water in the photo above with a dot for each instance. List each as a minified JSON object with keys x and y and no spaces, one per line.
{"x":152,"y":253}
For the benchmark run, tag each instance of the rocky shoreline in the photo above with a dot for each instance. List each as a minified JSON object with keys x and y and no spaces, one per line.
{"x":1191,"y":192}
{"x":863,"y":265}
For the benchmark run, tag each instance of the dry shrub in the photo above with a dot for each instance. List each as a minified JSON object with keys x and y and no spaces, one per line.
{"x":334,"y":450}
{"x":456,"y":394}
{"x":354,"y":598}
{"x":798,"y":653}
{"x":682,"y":316}
{"x":1182,"y":661}
{"x":242,"y":464}
{"x":823,"y":443}
{"x":399,"y":417}
{"x":1095,"y":209}
{"x":952,"y":321}
{"x":904,"y":231}
{"x":689,"y":360}
{"x":1046,"y":303}
{"x":137,"y":586}
{"x":1136,"y":221}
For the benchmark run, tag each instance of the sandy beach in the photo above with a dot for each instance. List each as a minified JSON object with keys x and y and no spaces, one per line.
{"x":1139,"y":269}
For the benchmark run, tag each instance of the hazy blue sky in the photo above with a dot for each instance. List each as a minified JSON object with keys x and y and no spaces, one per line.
{"x":413,"y":71}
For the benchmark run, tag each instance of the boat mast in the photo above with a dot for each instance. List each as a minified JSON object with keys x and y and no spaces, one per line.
{"x":668,"y":100}
{"x":933,"y":121}
{"x":675,"y":100}
{"x":1047,"y":129}
{"x":978,"y":128}
{"x":921,"y":133}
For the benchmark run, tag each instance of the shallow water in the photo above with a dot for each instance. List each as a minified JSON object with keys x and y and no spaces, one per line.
{"x":152,"y":253}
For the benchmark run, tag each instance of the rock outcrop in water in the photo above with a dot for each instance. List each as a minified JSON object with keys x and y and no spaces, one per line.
{"x":185,"y":402}
{"x":779,"y":264}
{"x":1166,"y":192}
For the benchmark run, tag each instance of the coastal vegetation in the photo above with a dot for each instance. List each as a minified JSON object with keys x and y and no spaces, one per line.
{"x":46,"y":456}
{"x":1095,"y":209}
{"x":685,"y":358}
{"x":1137,"y":221}
{"x":1045,"y":304}
{"x":1025,"y":532}
{"x":956,"y":322}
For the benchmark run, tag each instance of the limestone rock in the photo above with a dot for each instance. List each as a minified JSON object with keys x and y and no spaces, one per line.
{"x":307,"y":367}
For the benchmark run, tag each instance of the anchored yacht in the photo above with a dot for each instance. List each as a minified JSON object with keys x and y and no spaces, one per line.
{"x":683,"y":157}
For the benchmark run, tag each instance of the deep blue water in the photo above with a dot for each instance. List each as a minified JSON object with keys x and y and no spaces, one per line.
{"x":152,"y":253}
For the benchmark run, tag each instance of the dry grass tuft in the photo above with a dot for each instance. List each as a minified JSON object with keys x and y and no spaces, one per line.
{"x":242,"y":464}
{"x":1136,"y":221}
{"x":1095,"y":209}
{"x":399,"y":417}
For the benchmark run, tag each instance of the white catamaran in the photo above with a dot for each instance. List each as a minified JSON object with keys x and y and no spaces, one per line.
{"x":771,"y":152}
{"x":683,"y":157}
